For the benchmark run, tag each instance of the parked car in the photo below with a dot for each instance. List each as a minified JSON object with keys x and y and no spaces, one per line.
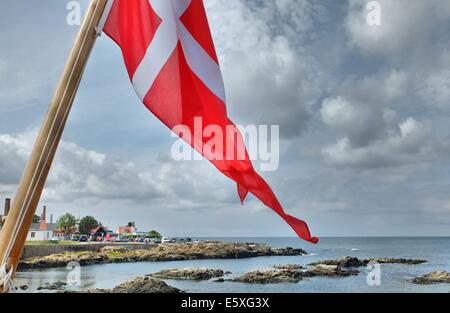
{"x":155,"y":240}
{"x":83,"y":238}
{"x":123,"y":239}
{"x":167,"y":240}
{"x":183,"y":240}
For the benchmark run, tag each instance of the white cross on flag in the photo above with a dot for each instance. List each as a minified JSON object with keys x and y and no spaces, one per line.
{"x":172,"y":63}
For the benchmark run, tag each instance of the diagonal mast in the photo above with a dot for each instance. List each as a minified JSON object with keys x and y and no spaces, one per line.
{"x":18,"y":222}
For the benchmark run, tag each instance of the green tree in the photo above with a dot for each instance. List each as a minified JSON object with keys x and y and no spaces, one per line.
{"x":86,"y":224}
{"x":36,"y":219}
{"x":131,"y":224}
{"x":154,"y":234}
{"x":67,"y":223}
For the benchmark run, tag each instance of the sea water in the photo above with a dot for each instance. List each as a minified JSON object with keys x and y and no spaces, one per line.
{"x":392,"y":277}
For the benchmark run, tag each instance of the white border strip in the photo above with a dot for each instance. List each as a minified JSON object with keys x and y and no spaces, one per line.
{"x":105,"y":15}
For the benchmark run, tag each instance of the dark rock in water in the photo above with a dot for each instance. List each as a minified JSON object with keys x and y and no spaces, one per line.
{"x":329,"y":271}
{"x":433,"y":278}
{"x":270,"y":276}
{"x":341,"y":262}
{"x":188,"y":273}
{"x":23,"y":287}
{"x":140,"y":285}
{"x":60,"y":285}
{"x":293,"y":267}
{"x":294,"y":273}
{"x":355,"y":262}
{"x":395,"y":261}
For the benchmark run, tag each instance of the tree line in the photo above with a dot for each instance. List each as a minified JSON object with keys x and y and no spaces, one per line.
{"x":69,"y":224}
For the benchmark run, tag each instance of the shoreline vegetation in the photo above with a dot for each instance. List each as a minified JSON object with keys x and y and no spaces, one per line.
{"x":152,"y":283}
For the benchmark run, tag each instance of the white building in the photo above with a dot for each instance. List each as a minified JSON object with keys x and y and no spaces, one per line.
{"x":35,"y":234}
{"x":42,"y":231}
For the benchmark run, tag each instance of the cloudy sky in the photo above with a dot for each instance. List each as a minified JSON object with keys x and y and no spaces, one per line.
{"x":363,"y":114}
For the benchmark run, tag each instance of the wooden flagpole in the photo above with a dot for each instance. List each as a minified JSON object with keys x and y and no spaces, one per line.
{"x":18,"y":222}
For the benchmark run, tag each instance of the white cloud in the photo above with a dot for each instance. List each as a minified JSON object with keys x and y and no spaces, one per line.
{"x":78,"y":174}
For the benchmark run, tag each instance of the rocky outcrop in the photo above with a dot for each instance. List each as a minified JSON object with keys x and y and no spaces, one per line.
{"x":294,"y":267}
{"x":60,"y":285}
{"x":167,"y":252}
{"x":433,"y":278}
{"x":342,"y":262}
{"x":140,"y":285}
{"x":270,"y":276}
{"x":329,"y":271}
{"x":396,"y":261}
{"x":61,"y":260}
{"x":355,"y":262}
{"x":114,"y":249}
{"x":293,"y":275}
{"x":188,"y":274}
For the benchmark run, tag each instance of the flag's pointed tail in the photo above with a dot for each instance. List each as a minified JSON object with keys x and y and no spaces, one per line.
{"x":243,"y":192}
{"x":263,"y":192}
{"x":300,"y":228}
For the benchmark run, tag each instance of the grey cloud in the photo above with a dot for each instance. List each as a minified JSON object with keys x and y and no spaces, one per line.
{"x":372,"y":113}
{"x":271,"y":78}
{"x":406,"y":26}
{"x":435,"y":90}
{"x":413,"y":144}
{"x":360,"y":123}
{"x":413,"y":38}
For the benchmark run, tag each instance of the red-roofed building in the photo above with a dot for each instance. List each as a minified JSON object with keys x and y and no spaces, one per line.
{"x":126,"y":230}
{"x":99,"y":231}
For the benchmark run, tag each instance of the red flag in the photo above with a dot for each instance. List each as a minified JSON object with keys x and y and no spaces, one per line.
{"x":172,"y":63}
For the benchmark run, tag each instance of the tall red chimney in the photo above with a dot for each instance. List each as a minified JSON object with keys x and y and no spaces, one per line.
{"x":43,"y":225}
{"x":7,"y":206}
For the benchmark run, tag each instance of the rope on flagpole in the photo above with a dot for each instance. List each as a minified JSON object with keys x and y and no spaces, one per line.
{"x":6,"y":278}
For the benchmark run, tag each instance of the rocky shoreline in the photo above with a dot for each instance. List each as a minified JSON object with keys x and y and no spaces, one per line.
{"x":281,"y":273}
{"x":341,"y":267}
{"x":166,"y":252}
{"x":152,"y":283}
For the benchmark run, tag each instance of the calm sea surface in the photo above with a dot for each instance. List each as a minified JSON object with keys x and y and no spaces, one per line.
{"x":394,"y":277}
